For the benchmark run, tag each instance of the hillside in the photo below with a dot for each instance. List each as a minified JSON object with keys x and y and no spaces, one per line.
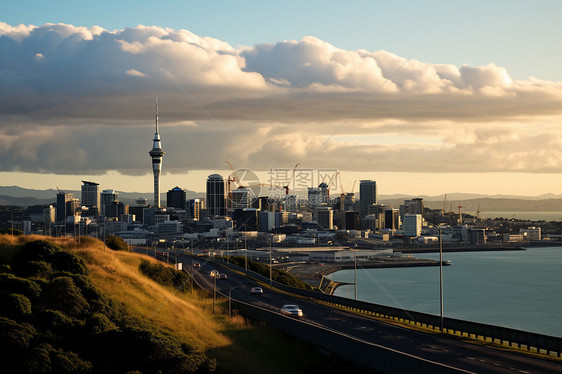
{"x":135,"y":309}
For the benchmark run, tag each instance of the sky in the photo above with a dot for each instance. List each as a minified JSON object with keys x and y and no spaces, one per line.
{"x":425,"y":97}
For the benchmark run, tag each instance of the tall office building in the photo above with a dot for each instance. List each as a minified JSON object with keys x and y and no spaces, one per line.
{"x":61,"y":212}
{"x":193,"y":208}
{"x":412,"y":225}
{"x":108,"y":197}
{"x":367,"y":196}
{"x":216,"y":202}
{"x":91,"y":195}
{"x":325,"y":218}
{"x":240,"y":198}
{"x":176,"y":198}
{"x":156,"y":153}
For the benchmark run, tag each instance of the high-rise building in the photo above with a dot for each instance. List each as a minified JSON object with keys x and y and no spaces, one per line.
{"x":391,"y":219}
{"x":176,"y":198}
{"x":216,"y":202}
{"x":240,"y":198}
{"x":325,"y":218}
{"x":193,"y":208}
{"x":61,"y":212}
{"x":108,"y":197}
{"x":412,"y":225}
{"x":91,"y":195}
{"x":367,"y":196}
{"x":156,"y":153}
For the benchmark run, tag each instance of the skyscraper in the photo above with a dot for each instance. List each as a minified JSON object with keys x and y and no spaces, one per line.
{"x":156,"y":154}
{"x":108,"y":197}
{"x":367,"y":196}
{"x":216,"y":202}
{"x":91,"y":195}
{"x":61,"y":213}
{"x":176,"y":198}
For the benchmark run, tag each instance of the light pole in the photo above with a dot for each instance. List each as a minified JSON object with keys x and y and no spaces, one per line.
{"x":270,"y":266}
{"x":245,"y":248}
{"x":440,"y":276}
{"x":230,"y":303}
{"x":214,"y":292}
{"x":355,"y":272}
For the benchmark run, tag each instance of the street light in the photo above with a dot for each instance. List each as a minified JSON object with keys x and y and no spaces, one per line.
{"x":440,"y":276}
{"x":214,"y":292}
{"x":355,"y":272}
{"x":230,"y":303}
{"x":270,"y":265}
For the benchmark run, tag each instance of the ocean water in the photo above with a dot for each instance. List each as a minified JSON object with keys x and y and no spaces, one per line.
{"x":531,"y":216}
{"x":517,"y":289}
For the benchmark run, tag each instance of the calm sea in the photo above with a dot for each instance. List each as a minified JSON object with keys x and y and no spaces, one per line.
{"x":517,"y":289}
{"x":532,"y":216}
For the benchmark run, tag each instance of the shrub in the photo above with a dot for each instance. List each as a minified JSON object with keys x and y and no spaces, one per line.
{"x":64,"y":261}
{"x":99,"y":323}
{"x":15,"y":305}
{"x":10,"y":231}
{"x":38,"y":250}
{"x":165,"y":275}
{"x":12,"y":284}
{"x":35,"y":269}
{"x":62,"y":294}
{"x":57,"y":322}
{"x":46,"y":359}
{"x":15,"y":335}
{"x":116,"y":243}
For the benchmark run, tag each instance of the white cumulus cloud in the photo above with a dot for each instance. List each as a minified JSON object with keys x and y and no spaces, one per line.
{"x":74,"y":98}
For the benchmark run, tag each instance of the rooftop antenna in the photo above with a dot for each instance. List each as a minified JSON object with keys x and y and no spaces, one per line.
{"x":157,"y":113}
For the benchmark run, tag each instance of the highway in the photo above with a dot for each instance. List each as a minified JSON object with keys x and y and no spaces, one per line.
{"x":455,"y":355}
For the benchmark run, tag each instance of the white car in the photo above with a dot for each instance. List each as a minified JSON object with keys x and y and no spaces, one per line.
{"x":256,"y":290}
{"x":214,"y":273}
{"x":291,"y":310}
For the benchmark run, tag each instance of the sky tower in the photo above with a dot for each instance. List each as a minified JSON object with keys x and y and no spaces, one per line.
{"x":156,"y":153}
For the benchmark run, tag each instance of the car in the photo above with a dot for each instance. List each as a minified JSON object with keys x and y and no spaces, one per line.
{"x":291,"y":310}
{"x":222,"y":276}
{"x":214,"y":273}
{"x":196,"y":265}
{"x":256,"y":290}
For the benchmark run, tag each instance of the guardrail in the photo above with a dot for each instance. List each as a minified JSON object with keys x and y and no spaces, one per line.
{"x":529,"y":341}
{"x":362,"y":353}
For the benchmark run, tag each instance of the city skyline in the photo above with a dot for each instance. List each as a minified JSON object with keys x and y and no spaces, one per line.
{"x":77,"y":98}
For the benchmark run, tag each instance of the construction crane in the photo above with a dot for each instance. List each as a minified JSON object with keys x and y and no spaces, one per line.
{"x":229,"y":179}
{"x":460,"y":214}
{"x":478,"y":212}
{"x":343,"y":193}
{"x":290,"y":180}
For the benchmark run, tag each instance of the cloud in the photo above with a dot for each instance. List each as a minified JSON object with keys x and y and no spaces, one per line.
{"x":75,"y":98}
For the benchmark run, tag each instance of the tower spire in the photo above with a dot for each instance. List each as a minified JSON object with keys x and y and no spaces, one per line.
{"x":156,"y":113}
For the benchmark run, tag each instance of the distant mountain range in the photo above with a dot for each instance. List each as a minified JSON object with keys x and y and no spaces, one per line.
{"x":14,"y":195}
{"x":471,"y":203}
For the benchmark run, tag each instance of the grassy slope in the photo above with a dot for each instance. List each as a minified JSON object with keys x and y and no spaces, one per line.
{"x":239,"y":347}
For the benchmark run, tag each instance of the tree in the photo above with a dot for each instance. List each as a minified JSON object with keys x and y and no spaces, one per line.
{"x":117,"y":243}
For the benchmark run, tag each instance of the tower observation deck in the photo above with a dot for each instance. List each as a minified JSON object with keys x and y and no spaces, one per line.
{"x":156,"y":153}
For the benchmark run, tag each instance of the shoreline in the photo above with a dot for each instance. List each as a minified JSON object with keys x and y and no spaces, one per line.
{"x":315,"y":273}
{"x":459,"y":249}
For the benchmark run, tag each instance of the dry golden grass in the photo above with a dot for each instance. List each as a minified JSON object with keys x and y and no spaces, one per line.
{"x":116,"y":274}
